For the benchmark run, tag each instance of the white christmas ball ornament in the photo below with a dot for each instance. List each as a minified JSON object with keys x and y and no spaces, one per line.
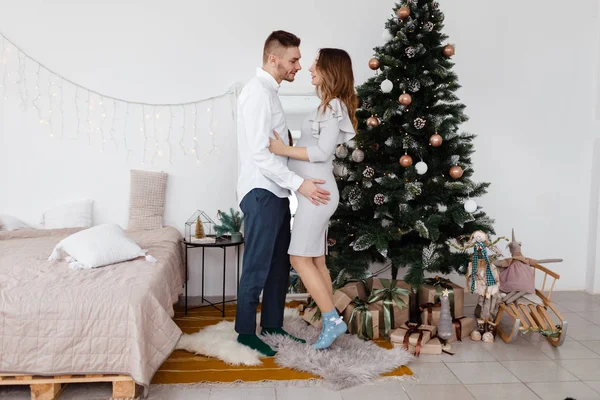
{"x":341,"y":151}
{"x":358,"y":155}
{"x":470,"y":206}
{"x":387,"y":86}
{"x":421,"y":168}
{"x":386,"y":35}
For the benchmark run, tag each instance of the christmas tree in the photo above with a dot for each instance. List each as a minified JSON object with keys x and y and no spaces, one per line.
{"x":199,"y":229}
{"x":405,"y":181}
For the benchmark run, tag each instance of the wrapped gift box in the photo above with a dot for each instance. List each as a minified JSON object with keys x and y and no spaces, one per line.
{"x":377,"y":283}
{"x":430,"y":314}
{"x":433,"y":347}
{"x":340,"y":302}
{"x":357,"y":327}
{"x":310,"y":317}
{"x":431,"y":291}
{"x":399,"y":315}
{"x":355,"y":290}
{"x":399,"y":335}
{"x":463,"y":327}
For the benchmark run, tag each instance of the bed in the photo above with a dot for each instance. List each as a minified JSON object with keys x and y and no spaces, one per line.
{"x":56,"y":321}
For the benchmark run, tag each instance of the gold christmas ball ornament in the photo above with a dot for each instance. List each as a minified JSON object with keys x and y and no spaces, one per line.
{"x":449,"y":50}
{"x":405,"y":99}
{"x":403,"y":12}
{"x":456,"y":172}
{"x":435,"y":140}
{"x":373,"y":122}
{"x":374,"y":63}
{"x":406,"y":161}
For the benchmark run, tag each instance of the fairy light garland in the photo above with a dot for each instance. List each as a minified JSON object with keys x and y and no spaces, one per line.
{"x":155,"y":116}
{"x":212,"y":130}
{"x":127,"y":150}
{"x":22,"y":82}
{"x":89,"y":121}
{"x":50,"y":106}
{"x":3,"y":62}
{"x":144,"y":131}
{"x":172,"y":117}
{"x":183,"y":131}
{"x":37,"y":96}
{"x":78,"y":111}
{"x":62,"y":110}
{"x":101,"y":127}
{"x":195,"y":138}
{"x":95,"y":117}
{"x":112,"y":125}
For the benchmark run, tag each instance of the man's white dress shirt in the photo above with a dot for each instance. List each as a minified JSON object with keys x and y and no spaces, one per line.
{"x":259,"y":114}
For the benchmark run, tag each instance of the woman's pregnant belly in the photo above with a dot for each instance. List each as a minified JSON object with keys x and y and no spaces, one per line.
{"x":308,"y":170}
{"x":323,"y":171}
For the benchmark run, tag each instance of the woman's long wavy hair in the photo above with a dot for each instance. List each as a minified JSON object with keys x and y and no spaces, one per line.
{"x":335,"y":67}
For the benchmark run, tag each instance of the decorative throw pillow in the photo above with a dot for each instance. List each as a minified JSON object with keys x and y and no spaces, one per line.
{"x":9,"y":223}
{"x":147,"y":199}
{"x":97,"y":247}
{"x":76,"y":214}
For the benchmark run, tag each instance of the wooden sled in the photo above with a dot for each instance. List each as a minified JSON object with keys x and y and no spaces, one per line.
{"x":535,"y":317}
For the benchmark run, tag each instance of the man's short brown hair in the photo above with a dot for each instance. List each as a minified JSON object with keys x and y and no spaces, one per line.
{"x":279,"y":40}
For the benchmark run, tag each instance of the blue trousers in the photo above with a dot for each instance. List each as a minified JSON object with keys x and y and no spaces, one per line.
{"x":266,"y":266}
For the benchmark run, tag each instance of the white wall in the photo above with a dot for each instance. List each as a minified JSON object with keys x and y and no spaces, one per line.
{"x":529,"y":84}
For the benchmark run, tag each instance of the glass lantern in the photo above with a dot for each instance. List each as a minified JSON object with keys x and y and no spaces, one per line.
{"x":208,"y":226}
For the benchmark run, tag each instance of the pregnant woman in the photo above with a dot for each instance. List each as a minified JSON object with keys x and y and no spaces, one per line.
{"x":332,"y":123}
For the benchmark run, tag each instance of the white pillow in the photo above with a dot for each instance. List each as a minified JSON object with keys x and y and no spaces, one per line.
{"x":77,"y":214}
{"x":98,"y":246}
{"x":8,"y":223}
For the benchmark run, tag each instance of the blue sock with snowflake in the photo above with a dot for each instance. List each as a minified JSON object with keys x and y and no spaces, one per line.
{"x":333,"y":327}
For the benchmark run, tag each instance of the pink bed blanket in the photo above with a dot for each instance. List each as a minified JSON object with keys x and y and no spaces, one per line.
{"x":110,"y":320}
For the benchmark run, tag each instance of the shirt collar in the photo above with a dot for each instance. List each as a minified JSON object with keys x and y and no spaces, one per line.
{"x":268,"y":78}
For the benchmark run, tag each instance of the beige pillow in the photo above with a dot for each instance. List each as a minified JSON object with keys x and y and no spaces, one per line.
{"x":147,"y":199}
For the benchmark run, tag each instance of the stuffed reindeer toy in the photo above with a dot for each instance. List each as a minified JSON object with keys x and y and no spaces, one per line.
{"x":516,"y":273}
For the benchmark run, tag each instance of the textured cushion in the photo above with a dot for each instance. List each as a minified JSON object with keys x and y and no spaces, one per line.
{"x":147,"y":199}
{"x":77,"y":214}
{"x":98,"y":246}
{"x":8,"y":223}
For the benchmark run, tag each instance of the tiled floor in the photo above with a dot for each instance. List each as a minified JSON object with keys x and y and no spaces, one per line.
{"x":529,"y":368}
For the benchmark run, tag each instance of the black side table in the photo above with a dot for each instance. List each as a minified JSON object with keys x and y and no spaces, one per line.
{"x":221,"y":243}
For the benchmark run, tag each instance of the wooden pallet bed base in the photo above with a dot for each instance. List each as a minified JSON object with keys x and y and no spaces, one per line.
{"x":49,"y":387}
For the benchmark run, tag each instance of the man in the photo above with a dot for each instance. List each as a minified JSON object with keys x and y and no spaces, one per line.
{"x":264,"y":185}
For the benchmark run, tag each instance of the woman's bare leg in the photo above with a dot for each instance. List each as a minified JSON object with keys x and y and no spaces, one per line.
{"x":313,"y":279}
{"x":322,"y":267}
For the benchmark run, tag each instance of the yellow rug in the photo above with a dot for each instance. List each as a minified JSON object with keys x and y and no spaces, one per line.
{"x":184,"y":367}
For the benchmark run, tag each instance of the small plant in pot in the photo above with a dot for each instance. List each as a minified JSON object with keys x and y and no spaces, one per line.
{"x":230,"y":223}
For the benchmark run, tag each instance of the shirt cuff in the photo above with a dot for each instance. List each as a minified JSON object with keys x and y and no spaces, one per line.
{"x":297,"y":181}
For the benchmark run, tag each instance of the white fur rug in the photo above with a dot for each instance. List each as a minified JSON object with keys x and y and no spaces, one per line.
{"x":219,"y":341}
{"x":348,"y":362}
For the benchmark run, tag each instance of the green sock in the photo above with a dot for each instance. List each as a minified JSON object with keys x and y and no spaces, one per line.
{"x":279,"y":331}
{"x":255,"y":343}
